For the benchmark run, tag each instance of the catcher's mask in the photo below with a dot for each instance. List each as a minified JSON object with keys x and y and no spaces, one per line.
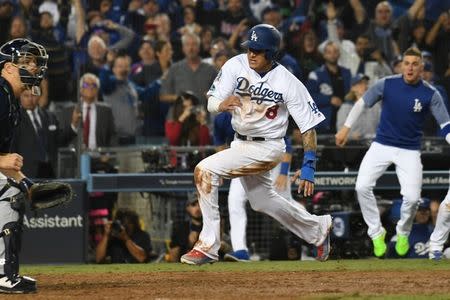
{"x":31,"y":60}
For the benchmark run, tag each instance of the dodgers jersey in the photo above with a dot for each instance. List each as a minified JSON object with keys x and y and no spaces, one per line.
{"x":404,"y":109}
{"x":266,"y":101}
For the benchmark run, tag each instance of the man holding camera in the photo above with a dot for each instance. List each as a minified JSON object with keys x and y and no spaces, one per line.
{"x":124,"y":241}
{"x":185,"y":233}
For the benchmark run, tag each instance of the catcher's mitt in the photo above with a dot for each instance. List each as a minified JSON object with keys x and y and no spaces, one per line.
{"x":49,"y":194}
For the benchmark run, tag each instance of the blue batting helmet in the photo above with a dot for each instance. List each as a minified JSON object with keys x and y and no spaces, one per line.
{"x":264,"y":37}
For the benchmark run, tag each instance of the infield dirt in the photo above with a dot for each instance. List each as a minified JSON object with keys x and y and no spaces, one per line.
{"x":201,"y":284}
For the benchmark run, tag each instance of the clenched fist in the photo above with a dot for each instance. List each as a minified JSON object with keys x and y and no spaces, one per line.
{"x":230,"y":104}
{"x":11,"y":161}
{"x":341,"y":136}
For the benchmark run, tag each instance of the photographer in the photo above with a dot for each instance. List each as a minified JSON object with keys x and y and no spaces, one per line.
{"x":186,"y":125}
{"x":124,"y":241}
{"x":185,"y":233}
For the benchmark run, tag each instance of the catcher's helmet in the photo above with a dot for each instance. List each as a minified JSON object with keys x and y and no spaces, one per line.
{"x":24,"y":53}
{"x":264,"y":37}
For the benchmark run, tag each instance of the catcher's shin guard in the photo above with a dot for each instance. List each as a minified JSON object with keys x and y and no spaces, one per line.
{"x":11,"y":234}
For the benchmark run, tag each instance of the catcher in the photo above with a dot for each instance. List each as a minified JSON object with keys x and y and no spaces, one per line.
{"x":22,"y":66}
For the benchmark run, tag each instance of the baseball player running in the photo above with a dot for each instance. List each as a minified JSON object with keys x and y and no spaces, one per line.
{"x":406,"y":101}
{"x":260,"y":94}
{"x":23,"y":65}
{"x":223,"y":133}
{"x":441,"y":230}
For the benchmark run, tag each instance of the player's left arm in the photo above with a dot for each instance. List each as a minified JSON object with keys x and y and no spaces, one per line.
{"x":282,"y":178}
{"x":441,"y":115}
{"x":306,"y":115}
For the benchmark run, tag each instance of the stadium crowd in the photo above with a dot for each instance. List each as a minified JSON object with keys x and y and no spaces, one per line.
{"x":147,"y":54}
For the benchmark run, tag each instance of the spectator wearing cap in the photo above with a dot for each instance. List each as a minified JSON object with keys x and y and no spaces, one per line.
{"x":366,"y":126}
{"x":369,"y":60}
{"x":186,"y":125}
{"x":185,"y":232}
{"x":420,"y":231}
{"x":189,"y":74}
{"x":335,"y":31}
{"x":328,"y":85}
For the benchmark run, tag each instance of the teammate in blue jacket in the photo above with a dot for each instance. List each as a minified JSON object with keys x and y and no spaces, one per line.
{"x":407,"y":99}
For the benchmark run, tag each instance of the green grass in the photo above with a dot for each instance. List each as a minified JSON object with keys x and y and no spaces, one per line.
{"x":264,"y":266}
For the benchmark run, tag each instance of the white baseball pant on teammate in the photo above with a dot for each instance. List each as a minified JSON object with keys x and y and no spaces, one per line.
{"x":442,"y":229}
{"x":237,"y":198}
{"x":253,"y":158}
{"x":408,"y":167}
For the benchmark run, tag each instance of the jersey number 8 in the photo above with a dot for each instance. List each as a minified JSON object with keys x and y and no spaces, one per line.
{"x":272,"y":112}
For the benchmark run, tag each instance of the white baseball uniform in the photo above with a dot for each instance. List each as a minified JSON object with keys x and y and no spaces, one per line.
{"x":236,"y":208}
{"x":267,"y":102}
{"x":397,"y":142}
{"x":442,"y":228}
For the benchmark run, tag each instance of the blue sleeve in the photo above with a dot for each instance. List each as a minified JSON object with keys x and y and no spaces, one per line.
{"x":288,"y":142}
{"x":149,"y":92}
{"x":439,"y":110}
{"x":220,"y":132}
{"x":107,"y":81}
{"x":374,"y":93}
{"x":312,"y":85}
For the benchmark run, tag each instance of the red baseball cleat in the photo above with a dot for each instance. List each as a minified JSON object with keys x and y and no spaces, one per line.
{"x":195,"y":257}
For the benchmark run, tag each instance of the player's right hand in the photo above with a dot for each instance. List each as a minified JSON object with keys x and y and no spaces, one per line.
{"x":11,"y":161}
{"x":341,"y":136}
{"x":230,"y":103}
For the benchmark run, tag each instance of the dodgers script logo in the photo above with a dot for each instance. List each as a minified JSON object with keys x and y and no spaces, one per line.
{"x":257,"y":92}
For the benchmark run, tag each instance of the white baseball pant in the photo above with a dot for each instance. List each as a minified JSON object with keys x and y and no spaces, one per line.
{"x":242,"y":159}
{"x":236,"y":208}
{"x":442,"y":228}
{"x":7,"y":215}
{"x":408,"y":167}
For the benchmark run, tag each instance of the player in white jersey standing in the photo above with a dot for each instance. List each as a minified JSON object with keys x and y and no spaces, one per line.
{"x":440,"y":233}
{"x":407,"y":99}
{"x":260,"y":94}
